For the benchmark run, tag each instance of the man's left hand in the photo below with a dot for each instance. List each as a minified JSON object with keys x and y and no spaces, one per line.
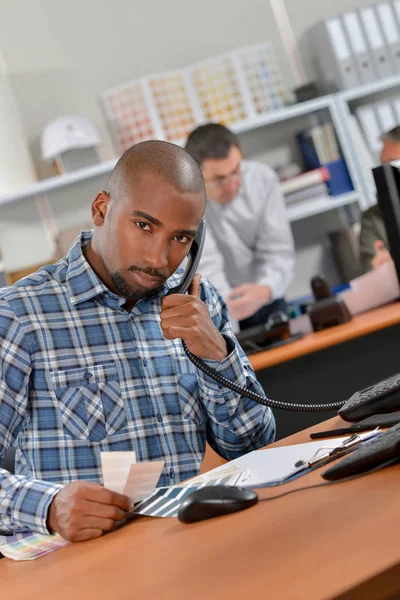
{"x":185,"y":316}
{"x":247,"y":299}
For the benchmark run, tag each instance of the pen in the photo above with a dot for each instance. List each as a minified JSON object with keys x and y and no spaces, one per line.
{"x":341,"y":431}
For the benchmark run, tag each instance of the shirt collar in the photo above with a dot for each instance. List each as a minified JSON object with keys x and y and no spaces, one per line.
{"x":83,"y":282}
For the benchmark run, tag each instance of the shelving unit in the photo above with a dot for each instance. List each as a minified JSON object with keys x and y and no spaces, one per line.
{"x":54,"y":183}
{"x":343,"y":102}
{"x":370,"y":89}
{"x":296,"y":212}
{"x":316,"y":206}
{"x":338,"y":106}
{"x":285,"y":114}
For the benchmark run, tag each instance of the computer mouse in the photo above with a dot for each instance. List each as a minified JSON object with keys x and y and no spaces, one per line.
{"x":214,"y":501}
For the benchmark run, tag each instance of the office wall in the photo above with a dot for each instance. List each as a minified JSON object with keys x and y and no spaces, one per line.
{"x":60,"y":56}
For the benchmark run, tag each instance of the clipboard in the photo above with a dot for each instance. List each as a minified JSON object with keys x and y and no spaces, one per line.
{"x":276,"y":466}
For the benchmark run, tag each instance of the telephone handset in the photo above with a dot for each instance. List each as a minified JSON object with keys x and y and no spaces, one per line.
{"x":193,"y":260}
{"x":191,"y":268}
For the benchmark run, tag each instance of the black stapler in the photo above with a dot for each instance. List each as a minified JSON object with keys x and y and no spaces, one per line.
{"x":275,"y":332}
{"x":327,"y":310}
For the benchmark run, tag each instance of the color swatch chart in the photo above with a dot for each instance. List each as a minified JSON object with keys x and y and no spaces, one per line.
{"x":128,"y":115}
{"x":29,"y":546}
{"x":263,"y":78}
{"x":229,"y":88}
{"x":217,"y":87}
{"x":173,"y":106}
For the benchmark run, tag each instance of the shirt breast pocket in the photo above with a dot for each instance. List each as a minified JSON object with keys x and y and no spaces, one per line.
{"x":90,"y":402}
{"x":191,"y":407}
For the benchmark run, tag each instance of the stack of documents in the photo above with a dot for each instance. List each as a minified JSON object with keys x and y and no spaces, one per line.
{"x":304,"y":186}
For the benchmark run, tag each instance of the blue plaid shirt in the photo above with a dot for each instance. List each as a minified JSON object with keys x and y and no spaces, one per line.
{"x":81,"y":375}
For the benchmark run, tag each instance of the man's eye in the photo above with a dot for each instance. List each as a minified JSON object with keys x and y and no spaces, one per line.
{"x":143,"y":225}
{"x":182,"y":239}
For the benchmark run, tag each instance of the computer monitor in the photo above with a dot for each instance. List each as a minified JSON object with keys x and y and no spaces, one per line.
{"x":387,"y":180}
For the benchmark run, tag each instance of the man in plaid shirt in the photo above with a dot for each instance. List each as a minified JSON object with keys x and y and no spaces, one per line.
{"x":91,"y":356}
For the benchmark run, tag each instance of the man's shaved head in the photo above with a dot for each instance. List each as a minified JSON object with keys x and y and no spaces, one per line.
{"x":147,"y":220}
{"x":171,"y":162}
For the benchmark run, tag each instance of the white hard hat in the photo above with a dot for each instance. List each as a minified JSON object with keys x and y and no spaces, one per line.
{"x":67,"y":133}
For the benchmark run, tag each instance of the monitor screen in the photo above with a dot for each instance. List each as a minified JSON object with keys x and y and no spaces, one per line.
{"x":387,"y":180}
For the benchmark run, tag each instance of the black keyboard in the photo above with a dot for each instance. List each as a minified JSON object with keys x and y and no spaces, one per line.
{"x":372,"y":453}
{"x":382,"y":397}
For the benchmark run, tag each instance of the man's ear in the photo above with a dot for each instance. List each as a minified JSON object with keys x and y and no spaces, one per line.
{"x":99,"y":208}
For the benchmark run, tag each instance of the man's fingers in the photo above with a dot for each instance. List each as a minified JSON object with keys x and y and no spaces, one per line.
{"x":194,"y":288}
{"x":177,"y":312}
{"x":379,"y":246}
{"x":238,"y":303}
{"x":175,"y":300}
{"x":238,"y":291}
{"x":105,"y":511}
{"x":85,"y":534}
{"x":174,"y":332}
{"x":105,"y":496}
{"x":94,"y":522}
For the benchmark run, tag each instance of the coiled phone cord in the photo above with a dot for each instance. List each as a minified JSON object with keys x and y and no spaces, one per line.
{"x":253,"y":395}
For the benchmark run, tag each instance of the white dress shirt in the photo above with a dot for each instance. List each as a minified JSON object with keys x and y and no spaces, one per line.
{"x":249,"y":240}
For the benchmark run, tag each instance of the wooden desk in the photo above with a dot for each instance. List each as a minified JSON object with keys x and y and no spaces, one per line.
{"x":336,"y":541}
{"x":364,"y":324}
{"x":330,"y":365}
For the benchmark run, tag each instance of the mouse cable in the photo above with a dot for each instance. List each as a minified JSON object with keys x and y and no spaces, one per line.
{"x":200,"y":364}
{"x":388,"y":463}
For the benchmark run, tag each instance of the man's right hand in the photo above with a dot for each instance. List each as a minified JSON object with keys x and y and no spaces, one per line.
{"x":83,"y":511}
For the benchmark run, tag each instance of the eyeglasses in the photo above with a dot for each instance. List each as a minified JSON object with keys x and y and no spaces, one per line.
{"x":221,"y":181}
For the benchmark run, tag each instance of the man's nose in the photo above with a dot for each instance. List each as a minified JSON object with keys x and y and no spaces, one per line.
{"x":156,"y":255}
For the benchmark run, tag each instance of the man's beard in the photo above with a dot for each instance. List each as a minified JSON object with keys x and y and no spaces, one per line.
{"x":127,"y":291}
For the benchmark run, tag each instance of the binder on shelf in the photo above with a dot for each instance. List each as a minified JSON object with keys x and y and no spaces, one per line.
{"x":386,"y":115}
{"x":333,"y":150}
{"x":377,"y":45}
{"x":370,"y":126}
{"x":396,"y":10}
{"x":391,"y":31}
{"x":396,"y":108}
{"x":364,"y":154}
{"x":308,"y":150}
{"x":334,"y":59}
{"x":361,"y":54}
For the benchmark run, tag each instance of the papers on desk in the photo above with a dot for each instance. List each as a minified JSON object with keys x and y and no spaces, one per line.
{"x":28,"y":546}
{"x":375,"y":288}
{"x":260,"y":468}
{"x":165,"y":502}
{"x":274,"y":466}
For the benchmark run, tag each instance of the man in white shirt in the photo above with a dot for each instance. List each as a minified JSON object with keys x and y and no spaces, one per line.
{"x":248,"y":253}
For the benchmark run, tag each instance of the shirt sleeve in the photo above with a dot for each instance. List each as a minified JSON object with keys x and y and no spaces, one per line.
{"x":274,"y":251}
{"x":24,"y":501}
{"x":236,"y":424}
{"x":212,"y":265}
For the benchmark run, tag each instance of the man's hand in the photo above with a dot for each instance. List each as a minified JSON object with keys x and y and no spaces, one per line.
{"x":382,"y":255}
{"x":185,"y":316}
{"x":83,"y":511}
{"x":247,"y":299}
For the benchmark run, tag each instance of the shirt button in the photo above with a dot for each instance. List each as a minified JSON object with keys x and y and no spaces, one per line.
{"x":159,"y":418}
{"x":87,"y":375}
{"x":144,"y":362}
{"x":172,"y":474}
